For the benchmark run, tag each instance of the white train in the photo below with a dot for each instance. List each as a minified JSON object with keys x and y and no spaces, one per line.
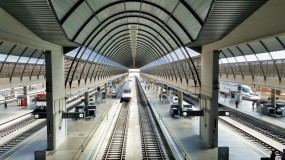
{"x":245,"y":91}
{"x":127,"y":94}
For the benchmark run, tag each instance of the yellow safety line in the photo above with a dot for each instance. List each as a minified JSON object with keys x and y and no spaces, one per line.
{"x":95,"y":130}
{"x":169,"y":127}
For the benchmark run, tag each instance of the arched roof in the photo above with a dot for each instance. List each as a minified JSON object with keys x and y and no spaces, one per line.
{"x":132,"y":33}
{"x":154,"y":28}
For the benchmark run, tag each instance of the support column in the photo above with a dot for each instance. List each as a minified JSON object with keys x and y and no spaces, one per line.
{"x":273,"y":96}
{"x":43,"y":85}
{"x":86,"y":102}
{"x":104,"y":97}
{"x":30,"y":87}
{"x":209,"y":97}
{"x":97,"y":95}
{"x":168,"y":95}
{"x":56,"y":126}
{"x":161,"y":88}
{"x":180,"y":99}
{"x":25,"y":90}
{"x":106,"y":88}
{"x":156,"y":88}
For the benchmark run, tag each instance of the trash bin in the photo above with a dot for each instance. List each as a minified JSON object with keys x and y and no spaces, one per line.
{"x":223,"y":153}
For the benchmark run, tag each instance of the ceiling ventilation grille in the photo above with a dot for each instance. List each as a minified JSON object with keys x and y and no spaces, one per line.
{"x":133,"y":31}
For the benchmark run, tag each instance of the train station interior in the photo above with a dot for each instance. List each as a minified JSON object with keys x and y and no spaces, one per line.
{"x":142,"y":79}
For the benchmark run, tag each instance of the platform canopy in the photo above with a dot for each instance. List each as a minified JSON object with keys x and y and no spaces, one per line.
{"x":132,"y":33}
{"x":137,"y":32}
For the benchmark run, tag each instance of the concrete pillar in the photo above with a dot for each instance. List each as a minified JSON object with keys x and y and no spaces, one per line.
{"x":168,"y":96}
{"x":105,"y":96}
{"x":106,"y":88}
{"x":161,"y":88}
{"x":238,"y":96}
{"x":86,"y":102}
{"x":180,"y":99}
{"x":13,"y":92}
{"x":30,"y":87}
{"x":98,"y":96}
{"x":25,"y":90}
{"x":156,"y":88}
{"x":43,"y":85}
{"x":209,"y":97}
{"x":273,"y":96}
{"x":55,"y":89}
{"x":114,"y":86}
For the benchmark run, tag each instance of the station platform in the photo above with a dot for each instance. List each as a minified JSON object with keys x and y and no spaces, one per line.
{"x":14,"y":111}
{"x":187,"y":132}
{"x":78,"y":131}
{"x":246,"y":108}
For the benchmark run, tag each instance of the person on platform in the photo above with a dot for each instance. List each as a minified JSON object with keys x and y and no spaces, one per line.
{"x":5,"y":105}
{"x":283,"y":155}
{"x":253,"y":103}
{"x":273,"y":155}
{"x":237,"y":102}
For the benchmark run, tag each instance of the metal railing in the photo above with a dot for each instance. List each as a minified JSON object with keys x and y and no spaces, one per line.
{"x":91,"y":133}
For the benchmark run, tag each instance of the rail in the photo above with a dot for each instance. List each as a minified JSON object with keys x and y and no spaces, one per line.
{"x":15,"y":118}
{"x":117,"y":143}
{"x":170,"y":136}
{"x":87,"y":140}
{"x":166,"y":137}
{"x":264,"y":136}
{"x":150,"y":143}
{"x":89,"y":136}
{"x":183,"y":153}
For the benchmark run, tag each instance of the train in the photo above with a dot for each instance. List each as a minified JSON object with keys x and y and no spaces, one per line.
{"x":246,"y":93}
{"x":114,"y":93}
{"x":127,"y":92}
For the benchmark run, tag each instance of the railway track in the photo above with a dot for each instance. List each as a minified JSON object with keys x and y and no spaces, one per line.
{"x":11,"y":142}
{"x":116,"y":147}
{"x":276,"y":138}
{"x":16,"y":126}
{"x":151,"y":146}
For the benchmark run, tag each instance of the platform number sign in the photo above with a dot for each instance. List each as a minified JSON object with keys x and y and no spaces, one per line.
{"x":36,"y":116}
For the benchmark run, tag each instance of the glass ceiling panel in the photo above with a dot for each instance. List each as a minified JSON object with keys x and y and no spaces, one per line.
{"x":251,"y":58}
{"x":41,"y":61}
{"x":180,"y":54}
{"x":73,"y":52}
{"x":32,"y":60}
{"x":232,"y":60}
{"x":278,"y":54}
{"x":12,"y":58}
{"x":224,"y":60}
{"x":192,"y":52}
{"x":98,"y":57}
{"x":173,"y":56}
{"x":86,"y":54}
{"x":23,"y":60}
{"x":240,"y":59}
{"x":2,"y":57}
{"x":263,"y":56}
